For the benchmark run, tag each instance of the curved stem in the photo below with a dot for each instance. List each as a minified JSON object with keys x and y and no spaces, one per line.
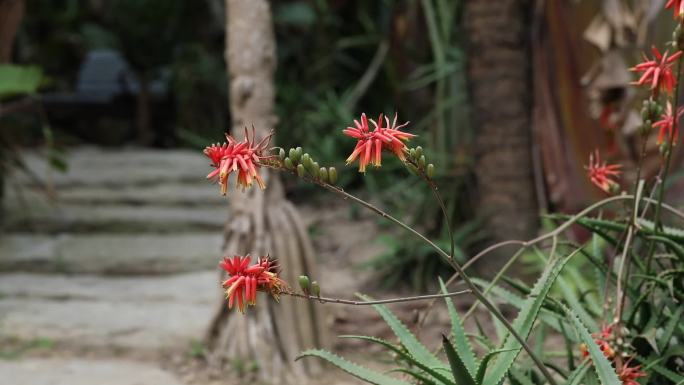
{"x":440,"y":201}
{"x":459,"y":270}
{"x":670,"y":148}
{"x":473,"y":288}
{"x":378,"y":302}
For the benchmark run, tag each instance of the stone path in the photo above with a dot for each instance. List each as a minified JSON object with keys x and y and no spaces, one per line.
{"x":120,"y":270}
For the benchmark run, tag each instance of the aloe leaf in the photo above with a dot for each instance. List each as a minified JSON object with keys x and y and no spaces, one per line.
{"x":669,"y":329}
{"x":604,"y":369}
{"x":463,"y":346}
{"x":410,"y":342}
{"x":461,"y":374}
{"x":432,"y":371}
{"x":355,"y":370}
{"x":482,"y":368}
{"x":520,"y":377}
{"x":578,"y":374}
{"x":652,"y":364}
{"x":526,"y":317}
{"x":573,"y":301}
{"x":423,"y":380}
{"x":676,"y":247}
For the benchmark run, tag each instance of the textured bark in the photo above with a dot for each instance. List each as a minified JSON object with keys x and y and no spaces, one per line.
{"x":262,"y":221}
{"x":11,"y":13}
{"x":501,"y":92}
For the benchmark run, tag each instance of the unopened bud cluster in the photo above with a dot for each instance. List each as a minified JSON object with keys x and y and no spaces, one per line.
{"x":678,"y":38}
{"x":305,"y":166}
{"x":650,"y":111}
{"x":417,"y":163}
{"x":309,"y":287}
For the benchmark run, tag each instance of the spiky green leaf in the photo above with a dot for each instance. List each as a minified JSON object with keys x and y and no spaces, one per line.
{"x":410,"y":342}
{"x":604,"y":370}
{"x":461,"y":374}
{"x":463,"y":346}
{"x":577,"y":375}
{"x":482,"y":368}
{"x":355,"y":370}
{"x":526,"y":317}
{"x":431,"y":371}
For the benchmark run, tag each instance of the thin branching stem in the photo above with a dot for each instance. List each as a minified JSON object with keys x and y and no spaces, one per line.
{"x":471,"y":285}
{"x":378,"y":302}
{"x":668,"y":158}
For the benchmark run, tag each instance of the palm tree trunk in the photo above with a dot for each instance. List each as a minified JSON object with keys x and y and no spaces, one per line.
{"x":498,"y":48}
{"x":263,"y":222}
{"x":11,"y":13}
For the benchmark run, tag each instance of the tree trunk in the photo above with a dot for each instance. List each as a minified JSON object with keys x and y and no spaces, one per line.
{"x":11,"y":13}
{"x":263,"y":222}
{"x":143,"y":110}
{"x":498,"y":51}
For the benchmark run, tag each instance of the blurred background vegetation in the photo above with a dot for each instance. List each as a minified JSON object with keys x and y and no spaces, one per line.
{"x":336,"y":59}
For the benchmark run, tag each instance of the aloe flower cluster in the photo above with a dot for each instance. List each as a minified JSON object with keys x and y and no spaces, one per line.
{"x":602,"y":174}
{"x":246,"y":158}
{"x":385,"y":136}
{"x":606,"y":339}
{"x":245,"y":280}
{"x":243,"y":157}
{"x":677,"y":6}
{"x":657,"y":72}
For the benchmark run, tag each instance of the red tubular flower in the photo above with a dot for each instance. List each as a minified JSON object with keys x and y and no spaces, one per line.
{"x":371,"y":143}
{"x":668,"y":123}
{"x":602,"y":339}
{"x":601,"y":174}
{"x":658,"y":71}
{"x":677,"y":5}
{"x":629,"y":374}
{"x":242,"y":157}
{"x":244,"y":280}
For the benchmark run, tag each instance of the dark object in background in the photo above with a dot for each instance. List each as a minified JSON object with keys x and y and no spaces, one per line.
{"x":102,"y":107}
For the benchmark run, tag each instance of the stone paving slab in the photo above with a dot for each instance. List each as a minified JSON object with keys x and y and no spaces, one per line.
{"x":115,"y":218}
{"x":110,"y":253}
{"x":194,"y":288}
{"x":115,"y":167}
{"x":201,"y":193}
{"x":155,"y":327}
{"x":83,"y":372}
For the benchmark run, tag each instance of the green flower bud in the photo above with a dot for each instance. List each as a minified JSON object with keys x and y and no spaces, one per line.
{"x":645,"y":128}
{"x":664,"y":149}
{"x":315,"y":167}
{"x":431,"y":170}
{"x":304,"y":284}
{"x":412,"y":153}
{"x":658,"y":110}
{"x":614,"y":188}
{"x":300,"y":170}
{"x":288,"y":163}
{"x":421,"y":161}
{"x":306,"y":160}
{"x":332,"y":175}
{"x":315,"y":289}
{"x":419,"y":152}
{"x":412,"y":168}
{"x":281,"y":154}
{"x":323,"y":174}
{"x":293,"y":154}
